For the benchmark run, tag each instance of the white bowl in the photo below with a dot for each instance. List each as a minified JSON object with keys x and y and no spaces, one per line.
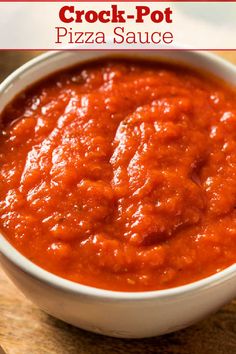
{"x":118,"y":314}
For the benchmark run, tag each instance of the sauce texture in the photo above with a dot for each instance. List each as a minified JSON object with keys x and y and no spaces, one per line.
{"x":121,"y":174}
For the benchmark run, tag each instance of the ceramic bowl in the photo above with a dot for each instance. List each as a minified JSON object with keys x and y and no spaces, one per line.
{"x":118,"y":314}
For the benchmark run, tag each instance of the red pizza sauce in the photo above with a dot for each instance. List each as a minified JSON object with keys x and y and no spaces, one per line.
{"x":121,"y":174}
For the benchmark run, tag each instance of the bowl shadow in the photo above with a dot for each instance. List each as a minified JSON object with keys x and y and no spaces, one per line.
{"x":216,"y":334}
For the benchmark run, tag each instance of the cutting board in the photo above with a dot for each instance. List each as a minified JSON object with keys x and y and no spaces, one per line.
{"x":24,"y":329}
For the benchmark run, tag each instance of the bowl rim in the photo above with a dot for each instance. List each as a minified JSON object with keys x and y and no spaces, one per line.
{"x":28,"y":267}
{"x":19,"y":260}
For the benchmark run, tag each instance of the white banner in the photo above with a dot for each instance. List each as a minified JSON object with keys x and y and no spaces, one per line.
{"x":117,"y":25}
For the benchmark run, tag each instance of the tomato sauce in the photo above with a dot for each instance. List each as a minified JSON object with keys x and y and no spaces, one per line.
{"x":121,"y":174}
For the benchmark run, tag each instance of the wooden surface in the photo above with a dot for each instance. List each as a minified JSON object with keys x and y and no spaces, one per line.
{"x":24,"y":329}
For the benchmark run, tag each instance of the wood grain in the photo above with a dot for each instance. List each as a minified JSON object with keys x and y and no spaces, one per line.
{"x":24,"y":329}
